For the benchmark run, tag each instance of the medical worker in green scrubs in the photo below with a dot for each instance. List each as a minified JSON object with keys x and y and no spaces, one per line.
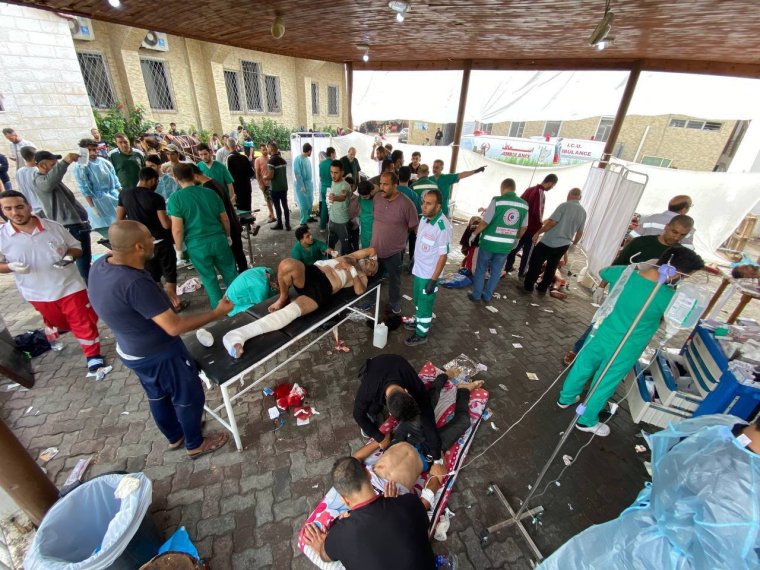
{"x":601,"y":345}
{"x":200,"y":222}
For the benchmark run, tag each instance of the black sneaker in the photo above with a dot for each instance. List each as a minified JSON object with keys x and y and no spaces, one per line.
{"x":277,"y":227}
{"x":412,"y":326}
{"x":287,"y":228}
{"x":472,"y":298}
{"x":415,"y":340}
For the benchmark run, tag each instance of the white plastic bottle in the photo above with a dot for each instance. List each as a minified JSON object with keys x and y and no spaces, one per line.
{"x":380,"y":338}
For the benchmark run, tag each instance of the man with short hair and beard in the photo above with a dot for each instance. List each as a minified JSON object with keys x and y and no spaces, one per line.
{"x":215,"y":169}
{"x":40,"y":253}
{"x":147,"y":337}
{"x":126,"y":160}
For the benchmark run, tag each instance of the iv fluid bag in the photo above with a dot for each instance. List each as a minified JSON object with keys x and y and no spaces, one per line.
{"x":688,"y":304}
{"x":609,"y":303}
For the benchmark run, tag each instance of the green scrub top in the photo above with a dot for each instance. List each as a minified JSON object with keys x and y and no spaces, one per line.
{"x":445,"y":182}
{"x":217,"y":171}
{"x":315,"y":252}
{"x":249,"y":288}
{"x":199,"y":209}
{"x":413,"y":196}
{"x":628,"y":305}
{"x":366,"y":218}
{"x":325,"y":179}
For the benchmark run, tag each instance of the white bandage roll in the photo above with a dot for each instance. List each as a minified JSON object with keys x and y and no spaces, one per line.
{"x":428,"y":496}
{"x":271,"y":322}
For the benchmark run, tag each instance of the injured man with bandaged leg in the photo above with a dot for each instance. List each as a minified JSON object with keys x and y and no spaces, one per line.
{"x":315,"y":285}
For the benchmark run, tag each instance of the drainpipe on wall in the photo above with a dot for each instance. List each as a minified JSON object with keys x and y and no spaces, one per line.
{"x":641,"y":144}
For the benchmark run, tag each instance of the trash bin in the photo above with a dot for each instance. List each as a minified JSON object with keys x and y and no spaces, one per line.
{"x":90,"y":528}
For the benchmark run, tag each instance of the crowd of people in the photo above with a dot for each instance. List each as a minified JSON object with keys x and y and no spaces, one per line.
{"x":155,"y":209}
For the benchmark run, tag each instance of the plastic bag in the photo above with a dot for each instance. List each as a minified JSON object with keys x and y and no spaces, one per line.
{"x":89,"y":528}
{"x":699,"y":512}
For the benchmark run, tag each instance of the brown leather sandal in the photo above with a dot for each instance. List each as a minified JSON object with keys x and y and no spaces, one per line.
{"x":210,"y":444}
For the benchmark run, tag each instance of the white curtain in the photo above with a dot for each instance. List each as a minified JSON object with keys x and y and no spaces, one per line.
{"x":497,"y":96}
{"x":721,"y":199}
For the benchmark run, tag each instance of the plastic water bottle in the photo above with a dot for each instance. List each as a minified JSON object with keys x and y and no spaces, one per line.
{"x":446,"y":562}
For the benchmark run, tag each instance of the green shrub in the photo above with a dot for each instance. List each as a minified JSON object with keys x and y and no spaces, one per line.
{"x":122,"y":119}
{"x":329,"y":129}
{"x":204,"y":135}
{"x":265,"y":130}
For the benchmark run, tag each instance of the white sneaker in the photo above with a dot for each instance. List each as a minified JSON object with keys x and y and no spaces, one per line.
{"x":565,"y":406}
{"x":600,"y":429}
{"x":204,"y":337}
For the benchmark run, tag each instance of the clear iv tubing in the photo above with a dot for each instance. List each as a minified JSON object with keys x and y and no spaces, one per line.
{"x":665,"y":272}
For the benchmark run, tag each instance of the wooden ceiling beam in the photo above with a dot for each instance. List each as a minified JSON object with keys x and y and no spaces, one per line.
{"x":751,"y":70}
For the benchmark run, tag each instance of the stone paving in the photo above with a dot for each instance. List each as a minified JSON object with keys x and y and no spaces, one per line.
{"x":243,"y":510}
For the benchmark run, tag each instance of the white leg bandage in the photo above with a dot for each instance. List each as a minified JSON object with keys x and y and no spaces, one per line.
{"x":271,"y":322}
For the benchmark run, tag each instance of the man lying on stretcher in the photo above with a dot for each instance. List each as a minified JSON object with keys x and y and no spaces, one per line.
{"x":315,"y":284}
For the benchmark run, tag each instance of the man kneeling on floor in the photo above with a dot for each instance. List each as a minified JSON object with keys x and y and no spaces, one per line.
{"x":147,"y":332}
{"x":315,"y":285}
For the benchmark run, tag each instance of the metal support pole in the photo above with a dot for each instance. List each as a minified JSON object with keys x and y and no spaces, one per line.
{"x":517,"y":517}
{"x":625,"y":101}
{"x":460,"y":115}
{"x":350,"y":92}
{"x":23,"y":479}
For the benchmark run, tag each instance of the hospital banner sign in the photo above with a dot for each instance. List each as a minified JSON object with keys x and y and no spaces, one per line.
{"x":533,"y":152}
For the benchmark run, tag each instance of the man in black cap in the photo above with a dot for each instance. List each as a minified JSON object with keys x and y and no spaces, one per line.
{"x":59,"y":202}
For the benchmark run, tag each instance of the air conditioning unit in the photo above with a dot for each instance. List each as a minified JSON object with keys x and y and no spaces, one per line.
{"x":156,"y":41}
{"x":81,"y":28}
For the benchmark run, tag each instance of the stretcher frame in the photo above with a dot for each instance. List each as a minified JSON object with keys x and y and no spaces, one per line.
{"x":230,"y":423}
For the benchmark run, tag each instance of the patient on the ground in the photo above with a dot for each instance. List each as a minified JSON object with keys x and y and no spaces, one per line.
{"x":408,"y":455}
{"x":315,"y":285}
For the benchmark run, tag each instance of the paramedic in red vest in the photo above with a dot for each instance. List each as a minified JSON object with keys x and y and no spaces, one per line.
{"x":534,"y":196}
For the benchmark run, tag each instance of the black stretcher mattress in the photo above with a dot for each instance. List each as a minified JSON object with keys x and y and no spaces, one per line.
{"x":219,"y":366}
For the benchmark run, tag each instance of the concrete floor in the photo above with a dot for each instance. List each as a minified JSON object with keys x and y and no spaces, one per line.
{"x":243,"y":510}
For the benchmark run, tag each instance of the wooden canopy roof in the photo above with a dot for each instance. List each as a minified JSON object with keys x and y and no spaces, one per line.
{"x":703,"y":36}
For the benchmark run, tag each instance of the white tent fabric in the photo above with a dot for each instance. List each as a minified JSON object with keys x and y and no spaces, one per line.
{"x":496,"y":96}
{"x":721,"y":199}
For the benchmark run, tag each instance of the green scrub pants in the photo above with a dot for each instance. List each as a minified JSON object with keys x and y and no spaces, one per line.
{"x":210,"y":257}
{"x":595,"y":355}
{"x":424,"y":304}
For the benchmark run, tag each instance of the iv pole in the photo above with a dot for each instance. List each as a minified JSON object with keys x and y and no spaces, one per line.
{"x":523,"y":512}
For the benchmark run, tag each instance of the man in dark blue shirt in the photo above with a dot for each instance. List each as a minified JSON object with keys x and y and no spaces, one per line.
{"x":147,"y":333}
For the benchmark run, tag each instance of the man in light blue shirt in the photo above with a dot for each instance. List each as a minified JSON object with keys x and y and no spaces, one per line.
{"x":99,"y":185}
{"x":304,"y":184}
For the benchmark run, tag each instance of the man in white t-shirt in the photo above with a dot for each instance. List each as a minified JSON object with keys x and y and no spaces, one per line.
{"x":40,"y":253}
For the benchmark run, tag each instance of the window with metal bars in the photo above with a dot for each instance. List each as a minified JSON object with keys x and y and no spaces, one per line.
{"x":315,"y":98}
{"x":516,"y":129}
{"x":332,"y":100}
{"x":252,"y":85}
{"x":96,"y":80}
{"x":157,"y":83}
{"x":232,"y":83}
{"x":272,"y":87}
